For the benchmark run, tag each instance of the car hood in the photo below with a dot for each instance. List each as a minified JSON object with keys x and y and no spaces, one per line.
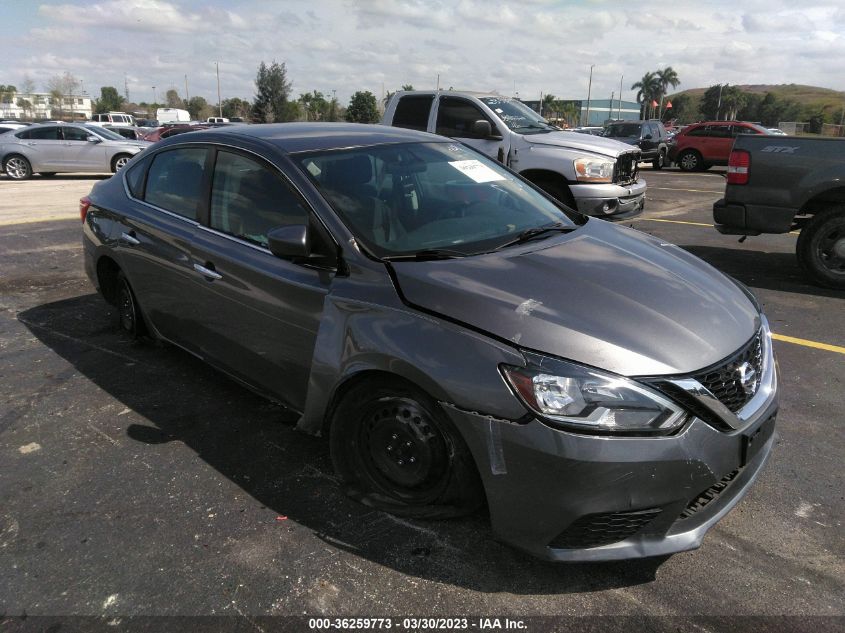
{"x":602,"y":295}
{"x":624,"y":139}
{"x":586,"y":142}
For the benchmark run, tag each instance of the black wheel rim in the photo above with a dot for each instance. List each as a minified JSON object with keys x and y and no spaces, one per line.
{"x":831,"y":250}
{"x":126,"y":309}
{"x":402,"y":450}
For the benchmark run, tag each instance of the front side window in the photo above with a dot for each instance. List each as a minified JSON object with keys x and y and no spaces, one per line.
{"x":75,"y":134}
{"x":455,"y":117}
{"x":719,"y":131}
{"x":248,"y":199}
{"x":698,"y":131}
{"x":411,"y":197}
{"x":174,"y":181}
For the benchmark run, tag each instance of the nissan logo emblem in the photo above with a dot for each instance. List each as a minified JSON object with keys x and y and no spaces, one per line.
{"x":747,"y":378}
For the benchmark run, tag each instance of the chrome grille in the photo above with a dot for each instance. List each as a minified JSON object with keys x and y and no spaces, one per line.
{"x":627,"y":168}
{"x":725,"y":381}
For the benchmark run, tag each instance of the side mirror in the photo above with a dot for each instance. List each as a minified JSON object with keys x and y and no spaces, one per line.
{"x":289,"y":241}
{"x":482,"y":129}
{"x":647,"y":137}
{"x":94,"y":139}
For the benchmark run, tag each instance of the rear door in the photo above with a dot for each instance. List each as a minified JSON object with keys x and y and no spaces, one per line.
{"x":43,"y":146}
{"x":256,"y":315}
{"x":154,"y":239}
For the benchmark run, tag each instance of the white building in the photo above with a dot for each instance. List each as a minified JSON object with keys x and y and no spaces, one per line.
{"x":43,"y":106}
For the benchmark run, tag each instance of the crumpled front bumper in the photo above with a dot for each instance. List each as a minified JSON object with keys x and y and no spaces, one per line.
{"x":547,"y":489}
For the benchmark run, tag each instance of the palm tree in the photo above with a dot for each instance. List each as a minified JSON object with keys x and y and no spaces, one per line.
{"x":666,"y":77}
{"x":647,"y":90}
{"x":547,"y":104}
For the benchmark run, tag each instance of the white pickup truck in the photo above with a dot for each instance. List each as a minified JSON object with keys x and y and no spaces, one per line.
{"x":595,"y":175}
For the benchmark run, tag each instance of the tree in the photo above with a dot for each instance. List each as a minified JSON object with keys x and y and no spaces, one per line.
{"x":173,"y":99}
{"x":648,"y":89}
{"x":236,"y":108}
{"x":110,"y":100}
{"x":683,"y":109}
{"x":314,"y":105}
{"x":198,"y":109}
{"x":61,"y":87}
{"x":407,"y":87}
{"x":7,"y":93}
{"x":362,"y":108}
{"x":547,"y":105}
{"x":272,"y":92}
{"x":666,"y":77}
{"x":27,"y":85}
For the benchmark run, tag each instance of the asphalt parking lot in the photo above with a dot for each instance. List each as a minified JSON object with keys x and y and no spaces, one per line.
{"x":137,"y":481}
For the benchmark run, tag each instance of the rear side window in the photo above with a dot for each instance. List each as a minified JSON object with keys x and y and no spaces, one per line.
{"x":412,"y":112}
{"x":135,"y":178}
{"x":174,"y":182}
{"x":45,"y":133}
{"x":248,"y":199}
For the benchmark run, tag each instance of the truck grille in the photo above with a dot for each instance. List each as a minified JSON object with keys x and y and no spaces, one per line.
{"x":594,"y":530}
{"x":725,"y":381}
{"x":627,"y":168}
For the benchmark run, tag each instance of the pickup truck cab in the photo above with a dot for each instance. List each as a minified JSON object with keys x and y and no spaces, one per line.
{"x":594,"y":175}
{"x":777,"y":184}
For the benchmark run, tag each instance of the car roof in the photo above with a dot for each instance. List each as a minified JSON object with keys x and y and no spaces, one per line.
{"x":304,"y":137}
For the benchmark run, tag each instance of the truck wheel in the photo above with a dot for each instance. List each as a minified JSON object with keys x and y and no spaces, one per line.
{"x":396,"y":451}
{"x":660,"y":161}
{"x":690,"y":160}
{"x":821,"y":248}
{"x":557,"y":190}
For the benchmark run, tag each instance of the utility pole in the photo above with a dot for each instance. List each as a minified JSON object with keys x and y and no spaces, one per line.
{"x":438,"y":82}
{"x":219,"y":104}
{"x":610,"y":109}
{"x":589,"y":90}
{"x":187,"y":98}
{"x":619,"y":112}
{"x":719,"y":106}
{"x":154,"y":94}
{"x":126,"y":86}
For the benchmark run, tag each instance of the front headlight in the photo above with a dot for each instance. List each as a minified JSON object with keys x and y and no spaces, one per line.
{"x":594,"y":169}
{"x":582,"y":399}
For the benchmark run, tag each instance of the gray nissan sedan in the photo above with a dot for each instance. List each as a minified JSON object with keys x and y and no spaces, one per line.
{"x":459,"y":336}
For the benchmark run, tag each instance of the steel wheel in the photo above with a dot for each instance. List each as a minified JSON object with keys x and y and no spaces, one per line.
{"x":18,"y":167}
{"x":396,"y":451}
{"x":120,"y":162}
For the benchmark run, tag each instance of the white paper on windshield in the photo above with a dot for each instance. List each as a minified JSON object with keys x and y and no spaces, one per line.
{"x":476,"y":170}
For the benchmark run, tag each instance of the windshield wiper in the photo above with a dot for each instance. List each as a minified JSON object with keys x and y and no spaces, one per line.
{"x":530,"y":234}
{"x":426,"y":254}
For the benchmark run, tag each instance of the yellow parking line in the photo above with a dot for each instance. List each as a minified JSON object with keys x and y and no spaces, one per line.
{"x":806,"y":343}
{"x":685,"y":222}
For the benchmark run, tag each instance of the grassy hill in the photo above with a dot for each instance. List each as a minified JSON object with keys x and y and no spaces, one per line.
{"x":811,"y":98}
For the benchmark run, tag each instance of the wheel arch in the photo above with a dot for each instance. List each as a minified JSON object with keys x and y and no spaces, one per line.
{"x":107,"y":276}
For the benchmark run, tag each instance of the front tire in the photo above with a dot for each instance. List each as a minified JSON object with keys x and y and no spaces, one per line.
{"x":690,"y":160}
{"x":659,"y":162}
{"x":18,"y":168}
{"x":821,"y":248}
{"x":119,"y":162}
{"x":558,"y":191}
{"x":396,"y":451}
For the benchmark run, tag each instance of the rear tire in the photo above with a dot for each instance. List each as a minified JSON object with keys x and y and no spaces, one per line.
{"x":397,"y":451}
{"x":690,"y":160}
{"x":821,"y":248}
{"x":17,"y":167}
{"x":129,"y":318}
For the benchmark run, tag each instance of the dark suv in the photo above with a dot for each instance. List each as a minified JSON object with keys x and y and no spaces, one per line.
{"x":649,"y":136}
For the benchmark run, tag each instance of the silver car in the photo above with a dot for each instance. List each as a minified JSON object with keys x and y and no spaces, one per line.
{"x":64,"y":147}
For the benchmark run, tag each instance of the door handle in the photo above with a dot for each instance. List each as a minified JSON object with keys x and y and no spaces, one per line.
{"x":31,"y":144}
{"x":130,"y":238}
{"x":208,"y":273}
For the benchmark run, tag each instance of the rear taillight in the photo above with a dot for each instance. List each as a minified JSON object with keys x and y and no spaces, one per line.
{"x":739,"y":166}
{"x":84,"y":204}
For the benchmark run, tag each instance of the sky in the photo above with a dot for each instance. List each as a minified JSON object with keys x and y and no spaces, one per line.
{"x":521,"y":48}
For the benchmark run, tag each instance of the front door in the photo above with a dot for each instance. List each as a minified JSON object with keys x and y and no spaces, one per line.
{"x":80,"y":153}
{"x":257,"y":315}
{"x":456,"y":117}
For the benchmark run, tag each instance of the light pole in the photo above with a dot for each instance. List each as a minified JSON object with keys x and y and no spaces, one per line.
{"x":589,"y":90}
{"x":619,"y":111}
{"x":219,"y":103}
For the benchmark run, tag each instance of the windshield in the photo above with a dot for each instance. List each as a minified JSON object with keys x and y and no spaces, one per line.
{"x":411,"y":197}
{"x":104,"y":133}
{"x":518,"y":116}
{"x":624,"y":130}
